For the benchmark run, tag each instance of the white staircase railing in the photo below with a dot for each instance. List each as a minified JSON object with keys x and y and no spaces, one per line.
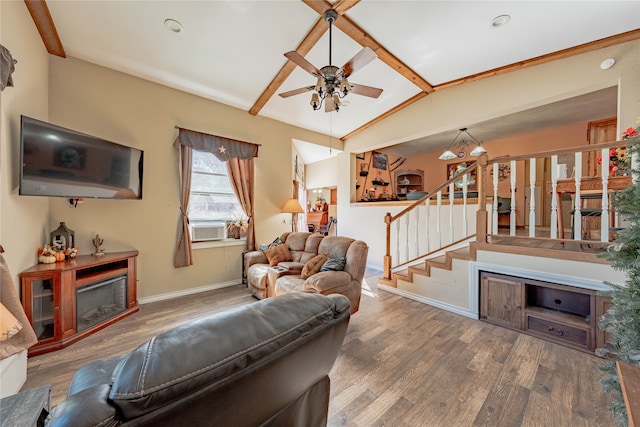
{"x":444,"y":216}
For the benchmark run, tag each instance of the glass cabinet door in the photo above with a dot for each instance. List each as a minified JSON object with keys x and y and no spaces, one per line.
{"x":42,"y":308}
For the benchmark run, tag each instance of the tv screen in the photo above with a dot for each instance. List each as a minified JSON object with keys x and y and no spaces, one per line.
{"x":61,"y":162}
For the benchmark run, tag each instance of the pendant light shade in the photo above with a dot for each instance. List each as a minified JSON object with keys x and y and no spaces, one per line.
{"x":447,"y":155}
{"x":478,"y":150}
{"x":458,"y":144}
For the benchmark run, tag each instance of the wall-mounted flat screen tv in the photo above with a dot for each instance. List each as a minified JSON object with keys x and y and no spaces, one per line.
{"x":59,"y":162}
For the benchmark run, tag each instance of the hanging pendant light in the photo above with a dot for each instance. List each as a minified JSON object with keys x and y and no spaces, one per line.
{"x":459,"y":145}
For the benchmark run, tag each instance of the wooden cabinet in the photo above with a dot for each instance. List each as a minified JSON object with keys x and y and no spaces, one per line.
{"x":603,"y":304}
{"x":501,"y":301}
{"x":563,"y":314}
{"x":69,"y":300}
{"x":409,"y":180}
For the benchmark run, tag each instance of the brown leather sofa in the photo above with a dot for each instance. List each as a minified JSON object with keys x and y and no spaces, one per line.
{"x":211,"y":371}
{"x":265,"y":280}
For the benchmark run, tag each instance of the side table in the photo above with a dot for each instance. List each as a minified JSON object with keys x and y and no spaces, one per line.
{"x":244,"y":271}
{"x":26,"y":409}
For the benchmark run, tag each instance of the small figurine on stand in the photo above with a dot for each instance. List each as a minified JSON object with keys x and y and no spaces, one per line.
{"x":97,"y":242}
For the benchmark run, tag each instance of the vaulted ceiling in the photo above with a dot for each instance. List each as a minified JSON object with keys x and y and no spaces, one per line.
{"x":233,"y":51}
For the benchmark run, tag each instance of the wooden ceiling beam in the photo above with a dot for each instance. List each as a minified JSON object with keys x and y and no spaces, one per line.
{"x":566,"y":53}
{"x":360,"y":36}
{"x":561,"y":54}
{"x":44,"y":23}
{"x":312,"y":37}
{"x":342,"y":6}
{"x":305,"y":46}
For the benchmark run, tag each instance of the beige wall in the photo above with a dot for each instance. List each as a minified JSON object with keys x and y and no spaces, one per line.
{"x":322,"y":174}
{"x":23,"y":220}
{"x":135,"y":112}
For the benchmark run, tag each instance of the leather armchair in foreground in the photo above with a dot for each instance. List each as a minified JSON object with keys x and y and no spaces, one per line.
{"x":263,"y":364}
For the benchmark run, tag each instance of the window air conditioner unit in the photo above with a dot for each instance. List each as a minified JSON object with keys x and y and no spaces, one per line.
{"x":208,"y":230}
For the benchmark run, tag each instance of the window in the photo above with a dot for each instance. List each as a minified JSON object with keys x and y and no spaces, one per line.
{"x":212,"y":196}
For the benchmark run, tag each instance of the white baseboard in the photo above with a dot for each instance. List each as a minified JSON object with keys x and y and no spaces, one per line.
{"x":13,"y":373}
{"x":429,"y":301}
{"x":190,"y":291}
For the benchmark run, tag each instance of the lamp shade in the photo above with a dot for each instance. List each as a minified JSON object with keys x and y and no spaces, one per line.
{"x":478,"y":150}
{"x":447,"y":155}
{"x":292,"y":206}
{"x":9,"y":325}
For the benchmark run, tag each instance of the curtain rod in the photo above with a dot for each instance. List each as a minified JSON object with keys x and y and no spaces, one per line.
{"x":230,"y":139}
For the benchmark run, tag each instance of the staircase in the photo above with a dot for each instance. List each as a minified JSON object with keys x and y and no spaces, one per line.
{"x":424,"y":268}
{"x":436,"y":242}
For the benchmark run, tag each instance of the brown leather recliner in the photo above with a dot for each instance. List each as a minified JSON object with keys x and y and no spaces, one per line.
{"x":209,"y":372}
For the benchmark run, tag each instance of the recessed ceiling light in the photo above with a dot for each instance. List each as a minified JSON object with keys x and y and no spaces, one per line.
{"x":173,"y":25}
{"x":500,"y":21}
{"x":607,"y":63}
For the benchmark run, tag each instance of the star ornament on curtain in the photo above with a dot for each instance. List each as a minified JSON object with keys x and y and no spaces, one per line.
{"x":222,"y":149}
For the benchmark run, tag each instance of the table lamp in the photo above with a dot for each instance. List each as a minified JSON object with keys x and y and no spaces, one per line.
{"x":293,"y":207}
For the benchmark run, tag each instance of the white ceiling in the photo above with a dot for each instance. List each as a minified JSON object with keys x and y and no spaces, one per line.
{"x":229,"y":51}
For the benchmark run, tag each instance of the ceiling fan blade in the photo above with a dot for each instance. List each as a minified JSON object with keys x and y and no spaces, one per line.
{"x":301,"y":62}
{"x":372,"y":92}
{"x":296,"y":91}
{"x":329,"y":105}
{"x":362,"y":58}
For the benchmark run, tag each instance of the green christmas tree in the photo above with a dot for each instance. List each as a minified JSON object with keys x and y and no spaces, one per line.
{"x":622,"y":320}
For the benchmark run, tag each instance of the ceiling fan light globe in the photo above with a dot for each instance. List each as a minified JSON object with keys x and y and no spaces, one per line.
{"x":345,"y":87}
{"x":315,"y":101}
{"x":321,"y":85}
{"x":336,"y":100}
{"x":447,"y":155}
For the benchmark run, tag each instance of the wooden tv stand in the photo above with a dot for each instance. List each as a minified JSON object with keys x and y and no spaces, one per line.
{"x":50,"y":294}
{"x":560,"y":313}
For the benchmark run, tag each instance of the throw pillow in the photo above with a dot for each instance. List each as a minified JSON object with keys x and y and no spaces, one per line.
{"x":313,"y":266}
{"x":278,"y":253}
{"x":334,"y":264}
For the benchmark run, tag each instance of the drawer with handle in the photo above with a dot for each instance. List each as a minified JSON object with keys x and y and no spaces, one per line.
{"x":559,"y":331}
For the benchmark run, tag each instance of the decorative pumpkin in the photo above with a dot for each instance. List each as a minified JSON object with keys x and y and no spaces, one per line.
{"x":47,"y":259}
{"x":59,"y":256}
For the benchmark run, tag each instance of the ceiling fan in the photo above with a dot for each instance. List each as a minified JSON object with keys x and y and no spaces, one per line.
{"x":332,"y":84}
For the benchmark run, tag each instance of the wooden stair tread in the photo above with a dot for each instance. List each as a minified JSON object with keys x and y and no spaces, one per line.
{"x":443,"y":262}
{"x":403,"y":273}
{"x":418,"y":268}
{"x":383,"y":281}
{"x":462,"y":253}
{"x":442,"y":259}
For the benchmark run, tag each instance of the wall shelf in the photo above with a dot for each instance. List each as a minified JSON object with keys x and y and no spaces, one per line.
{"x":408,"y":181}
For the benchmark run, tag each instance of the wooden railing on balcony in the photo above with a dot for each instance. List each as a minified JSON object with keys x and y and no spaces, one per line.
{"x":421,"y":229}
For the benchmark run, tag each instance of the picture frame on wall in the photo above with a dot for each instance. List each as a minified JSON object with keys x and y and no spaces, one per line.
{"x":458,"y":168}
{"x":379,"y":160}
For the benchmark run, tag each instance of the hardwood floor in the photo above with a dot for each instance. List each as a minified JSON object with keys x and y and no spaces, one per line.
{"x":403,"y":363}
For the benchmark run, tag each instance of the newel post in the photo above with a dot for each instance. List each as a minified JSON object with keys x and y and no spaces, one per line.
{"x":481,"y":214}
{"x":387,"y":254}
